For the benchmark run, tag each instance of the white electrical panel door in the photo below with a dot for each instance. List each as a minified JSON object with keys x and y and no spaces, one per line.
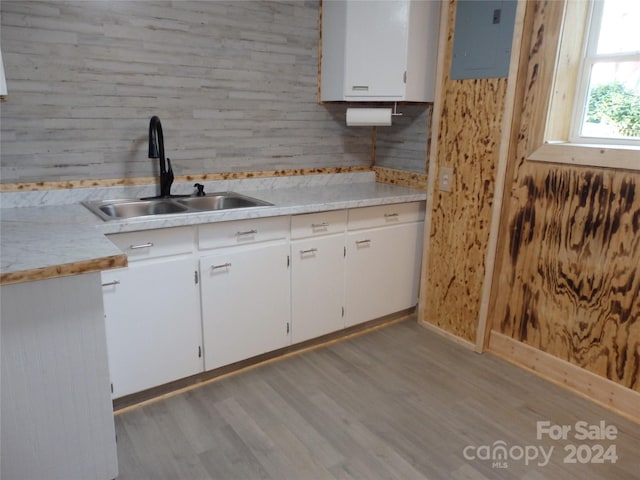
{"x":376,"y":48}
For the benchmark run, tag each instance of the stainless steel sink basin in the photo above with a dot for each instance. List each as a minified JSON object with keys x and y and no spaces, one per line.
{"x":140,"y":208}
{"x":221,"y":201}
{"x":131,"y":208}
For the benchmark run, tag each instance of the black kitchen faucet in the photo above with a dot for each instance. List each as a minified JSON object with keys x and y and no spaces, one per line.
{"x":156,"y":150}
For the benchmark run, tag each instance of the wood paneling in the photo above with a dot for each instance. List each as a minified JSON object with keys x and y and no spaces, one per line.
{"x":404,"y":145}
{"x":401,"y":177}
{"x":570,"y":279}
{"x":567,"y":280}
{"x":468,"y":141}
{"x":234,"y":84}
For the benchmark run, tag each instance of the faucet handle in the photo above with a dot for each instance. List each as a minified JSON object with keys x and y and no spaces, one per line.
{"x":200,"y":188}
{"x":166,"y":180}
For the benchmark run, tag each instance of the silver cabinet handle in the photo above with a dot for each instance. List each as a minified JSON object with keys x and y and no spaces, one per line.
{"x":310,"y":250}
{"x":141,"y":245}
{"x":391,"y":215}
{"x":216,"y":267}
{"x":319,"y":225}
{"x":110,"y":284}
{"x":253,"y":231}
{"x":360,"y":88}
{"x":363,"y":242}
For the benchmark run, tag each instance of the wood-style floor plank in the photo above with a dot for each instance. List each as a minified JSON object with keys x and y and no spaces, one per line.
{"x":399,"y":402}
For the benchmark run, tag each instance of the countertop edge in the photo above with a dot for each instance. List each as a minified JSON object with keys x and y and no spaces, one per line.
{"x":64,"y":270}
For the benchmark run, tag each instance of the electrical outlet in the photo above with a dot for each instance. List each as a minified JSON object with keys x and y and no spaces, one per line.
{"x":445,"y":179}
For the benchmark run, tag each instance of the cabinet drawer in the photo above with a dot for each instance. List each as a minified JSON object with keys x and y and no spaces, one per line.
{"x":154,"y":243}
{"x":240,"y":232}
{"x":383,"y":215}
{"x":321,"y":223}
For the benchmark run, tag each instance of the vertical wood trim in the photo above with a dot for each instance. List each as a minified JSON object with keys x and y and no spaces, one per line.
{"x":501,"y":169}
{"x":443,"y":44}
{"x":520,"y":93}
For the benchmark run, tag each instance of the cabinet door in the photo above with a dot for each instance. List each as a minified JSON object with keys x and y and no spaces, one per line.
{"x":152,"y":315}
{"x":383,"y":271}
{"x":245,"y":302}
{"x":317,"y":286}
{"x":376,"y":48}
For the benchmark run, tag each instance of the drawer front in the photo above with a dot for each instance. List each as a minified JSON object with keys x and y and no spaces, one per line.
{"x":321,"y":223}
{"x":383,"y":215}
{"x":155,"y":243}
{"x":241,"y":232}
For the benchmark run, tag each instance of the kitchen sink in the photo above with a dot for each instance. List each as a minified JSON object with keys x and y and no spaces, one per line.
{"x":131,"y":208}
{"x":221,"y":201}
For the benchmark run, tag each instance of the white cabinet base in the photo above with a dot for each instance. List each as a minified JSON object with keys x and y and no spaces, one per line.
{"x":383,"y":271}
{"x":57,"y":417}
{"x":245,"y":296}
{"x":152,"y":314}
{"x":317,"y":287}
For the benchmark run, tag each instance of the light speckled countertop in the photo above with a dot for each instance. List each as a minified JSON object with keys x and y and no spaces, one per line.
{"x":43,"y":242}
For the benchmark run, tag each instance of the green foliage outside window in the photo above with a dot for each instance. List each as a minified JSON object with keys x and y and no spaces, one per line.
{"x":616,"y":105}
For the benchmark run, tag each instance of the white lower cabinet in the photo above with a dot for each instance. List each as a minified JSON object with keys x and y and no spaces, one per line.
{"x":245,"y":302}
{"x":152,"y":317}
{"x":317,"y":274}
{"x":198,"y":298}
{"x":384,"y":250}
{"x":317,"y":287}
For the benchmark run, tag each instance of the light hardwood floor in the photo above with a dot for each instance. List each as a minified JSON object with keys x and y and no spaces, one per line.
{"x":399,"y":402}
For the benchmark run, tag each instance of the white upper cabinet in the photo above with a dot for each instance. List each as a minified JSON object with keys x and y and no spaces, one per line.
{"x":379,"y":50}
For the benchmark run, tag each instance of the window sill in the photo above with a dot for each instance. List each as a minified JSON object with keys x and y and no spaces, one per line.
{"x":605,"y":156}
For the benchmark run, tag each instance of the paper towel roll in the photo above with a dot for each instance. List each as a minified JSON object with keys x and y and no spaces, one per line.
{"x":368,"y":117}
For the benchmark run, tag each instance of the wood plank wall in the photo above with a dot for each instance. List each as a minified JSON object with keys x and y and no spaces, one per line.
{"x":568,"y":270}
{"x":234,"y":84}
{"x":468,"y":142}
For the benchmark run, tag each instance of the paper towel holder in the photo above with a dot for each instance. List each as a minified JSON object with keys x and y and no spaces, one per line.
{"x":372,"y":117}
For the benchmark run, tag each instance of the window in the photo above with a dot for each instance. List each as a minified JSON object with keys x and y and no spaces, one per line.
{"x":603,"y":70}
{"x":607,"y":105}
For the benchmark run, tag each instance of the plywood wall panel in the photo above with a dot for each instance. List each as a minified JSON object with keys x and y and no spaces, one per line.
{"x":567,"y":279}
{"x":468,"y":142}
{"x":572,"y":278}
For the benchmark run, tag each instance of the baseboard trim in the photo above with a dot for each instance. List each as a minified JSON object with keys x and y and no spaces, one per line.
{"x":447,"y":335}
{"x":604,"y":392}
{"x":155,"y":394}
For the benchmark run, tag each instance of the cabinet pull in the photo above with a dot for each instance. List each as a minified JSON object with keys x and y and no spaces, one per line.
{"x":360,"y":88}
{"x":111,"y":284}
{"x":310,"y":250}
{"x":253,"y":231}
{"x":319,"y":225}
{"x":391,"y":215}
{"x":363,"y":242}
{"x":141,"y":245}
{"x":216,"y":267}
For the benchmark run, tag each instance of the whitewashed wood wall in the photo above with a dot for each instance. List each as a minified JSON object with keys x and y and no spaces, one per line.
{"x":234,"y":83}
{"x":404,"y":145}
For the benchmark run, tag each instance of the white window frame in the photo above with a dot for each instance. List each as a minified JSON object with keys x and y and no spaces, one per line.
{"x":589,"y":59}
{"x":549,"y":144}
